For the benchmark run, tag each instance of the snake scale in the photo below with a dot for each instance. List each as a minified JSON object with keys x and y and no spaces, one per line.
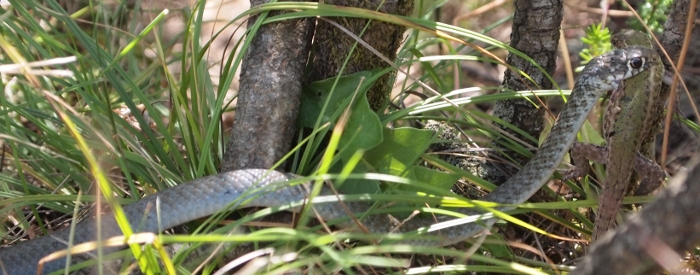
{"x":209,"y":195}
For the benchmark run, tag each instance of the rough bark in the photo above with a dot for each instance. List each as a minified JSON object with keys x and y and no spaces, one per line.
{"x":272,"y":73}
{"x":669,"y":223}
{"x":270,"y":92}
{"x":674,"y":30}
{"x":672,"y":37}
{"x":536,"y":26}
{"x":682,"y":141}
{"x":671,"y":40}
{"x":332,"y":45}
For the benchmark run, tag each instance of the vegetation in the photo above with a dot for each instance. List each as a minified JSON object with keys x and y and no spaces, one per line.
{"x":88,"y":112}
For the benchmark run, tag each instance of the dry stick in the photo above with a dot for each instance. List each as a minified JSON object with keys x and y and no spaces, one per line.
{"x":684,"y":50}
{"x":611,"y":13}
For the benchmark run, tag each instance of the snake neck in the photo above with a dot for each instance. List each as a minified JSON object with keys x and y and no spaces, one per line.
{"x":539,"y":169}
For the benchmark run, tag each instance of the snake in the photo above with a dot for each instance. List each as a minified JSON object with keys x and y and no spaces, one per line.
{"x":232,"y":190}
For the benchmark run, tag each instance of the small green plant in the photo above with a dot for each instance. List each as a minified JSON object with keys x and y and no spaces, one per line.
{"x":653,"y":15}
{"x":598,"y":40}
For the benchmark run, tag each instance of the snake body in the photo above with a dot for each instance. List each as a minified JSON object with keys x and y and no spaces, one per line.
{"x":209,"y":195}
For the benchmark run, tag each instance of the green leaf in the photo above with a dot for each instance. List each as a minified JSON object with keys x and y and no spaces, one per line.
{"x":363,"y":130}
{"x":591,"y":135}
{"x":439,"y":179}
{"x":396,"y":155}
{"x":497,"y":247}
{"x":400,"y":149}
{"x":337,"y":96}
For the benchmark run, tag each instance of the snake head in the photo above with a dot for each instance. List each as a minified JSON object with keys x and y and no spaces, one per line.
{"x":605,"y":72}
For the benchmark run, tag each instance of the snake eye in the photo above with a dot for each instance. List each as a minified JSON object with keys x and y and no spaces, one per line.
{"x":637,"y":62}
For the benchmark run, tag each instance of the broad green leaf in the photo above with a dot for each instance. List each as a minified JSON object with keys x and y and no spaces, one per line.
{"x":399,"y":150}
{"x":434,"y":178}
